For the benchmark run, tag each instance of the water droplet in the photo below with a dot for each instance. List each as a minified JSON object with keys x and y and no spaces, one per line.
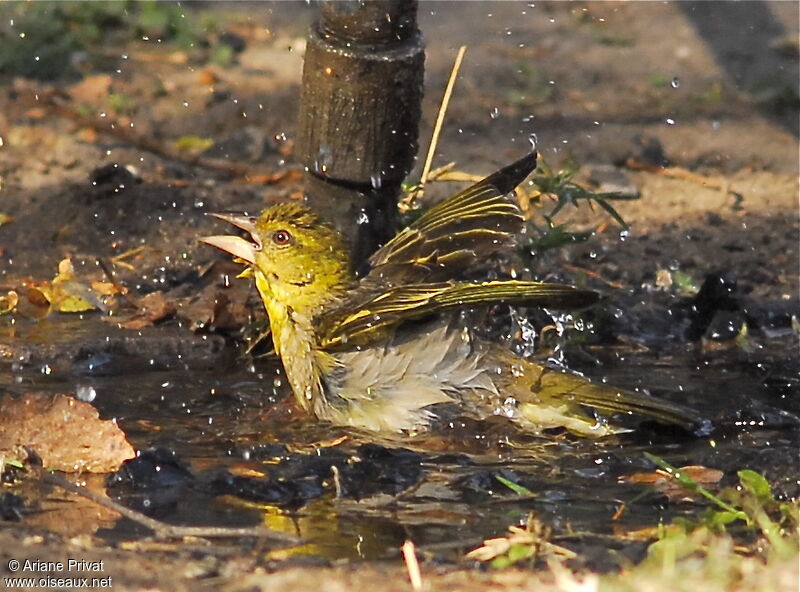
{"x":323,"y":160}
{"x":494,"y":113}
{"x":376,"y":181}
{"x":87,"y":394}
{"x":534,"y":140}
{"x":675,"y":82}
{"x":363,"y":218}
{"x":670,"y":121}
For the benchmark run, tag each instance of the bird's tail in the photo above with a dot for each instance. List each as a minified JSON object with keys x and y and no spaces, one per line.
{"x":550,"y":397}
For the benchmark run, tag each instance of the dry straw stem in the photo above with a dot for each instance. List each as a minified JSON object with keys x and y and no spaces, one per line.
{"x":412,"y":565}
{"x":407,"y":203}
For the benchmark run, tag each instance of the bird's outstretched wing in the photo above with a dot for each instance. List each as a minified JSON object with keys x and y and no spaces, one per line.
{"x":456,"y":233}
{"x":345,"y":327}
{"x":413,"y":275}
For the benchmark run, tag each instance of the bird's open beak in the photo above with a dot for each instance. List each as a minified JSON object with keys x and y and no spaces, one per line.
{"x":236,"y":246}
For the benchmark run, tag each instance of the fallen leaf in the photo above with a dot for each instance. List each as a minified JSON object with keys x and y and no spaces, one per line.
{"x":273,"y":178}
{"x":666,"y":483}
{"x":153,"y":307}
{"x":65,"y":293}
{"x":5,"y":218}
{"x":35,"y":295}
{"x":314,"y":447}
{"x":192,"y":144}
{"x":207,"y":76}
{"x":105,"y":288}
{"x":36,"y":113}
{"x":87,"y":134}
{"x":92,"y":90}
{"x":67,"y":434}
{"x":240,"y":471}
{"x":8,"y":302}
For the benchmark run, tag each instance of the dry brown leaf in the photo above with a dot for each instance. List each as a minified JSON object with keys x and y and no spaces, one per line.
{"x":207,"y":76}
{"x":666,"y":483}
{"x":66,"y":433}
{"x":105,"y":288}
{"x":246,"y":471}
{"x":35,"y":295}
{"x":154,"y":307}
{"x":8,"y":302}
{"x":284,"y":176}
{"x":36,"y":113}
{"x":313,"y":447}
{"x":87,"y":134}
{"x":92,"y":90}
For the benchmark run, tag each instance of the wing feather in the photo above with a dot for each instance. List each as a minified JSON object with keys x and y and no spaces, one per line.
{"x":396,"y":305}
{"x":475,"y":223}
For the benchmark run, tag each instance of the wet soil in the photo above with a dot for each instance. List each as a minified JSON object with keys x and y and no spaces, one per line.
{"x":712,"y":248}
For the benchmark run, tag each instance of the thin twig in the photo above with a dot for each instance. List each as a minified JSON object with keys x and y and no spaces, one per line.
{"x":408,"y":202}
{"x":119,"y":259}
{"x":593,"y":274}
{"x":161,"y":529}
{"x":723,"y":186}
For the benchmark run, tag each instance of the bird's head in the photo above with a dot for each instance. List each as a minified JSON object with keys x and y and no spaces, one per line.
{"x":297,"y":259}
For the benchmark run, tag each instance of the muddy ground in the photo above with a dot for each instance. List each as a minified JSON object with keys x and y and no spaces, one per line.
{"x":691,"y":106}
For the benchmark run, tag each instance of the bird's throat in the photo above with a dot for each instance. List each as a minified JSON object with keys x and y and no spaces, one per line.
{"x":295,"y":343}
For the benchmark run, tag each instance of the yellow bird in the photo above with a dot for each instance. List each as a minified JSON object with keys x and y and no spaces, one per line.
{"x":385,"y":353}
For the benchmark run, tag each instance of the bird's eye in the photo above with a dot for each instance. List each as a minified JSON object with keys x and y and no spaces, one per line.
{"x":282,"y":237}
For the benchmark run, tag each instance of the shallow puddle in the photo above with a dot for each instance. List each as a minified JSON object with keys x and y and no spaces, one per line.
{"x":238,"y":457}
